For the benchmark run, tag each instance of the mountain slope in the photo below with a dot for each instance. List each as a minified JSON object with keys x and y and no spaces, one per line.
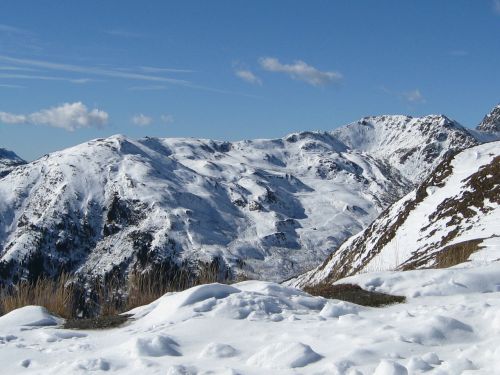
{"x":264,"y":208}
{"x":413,"y":145}
{"x":453,"y":213}
{"x":8,"y":161}
{"x":491,"y":122}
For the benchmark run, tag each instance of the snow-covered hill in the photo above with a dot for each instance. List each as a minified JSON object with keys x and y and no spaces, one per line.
{"x":450,"y":324}
{"x":8,"y":161}
{"x":451,"y":215}
{"x":265,"y":208}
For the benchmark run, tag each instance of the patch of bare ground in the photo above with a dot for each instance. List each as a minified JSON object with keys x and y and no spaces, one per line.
{"x":101,"y":322}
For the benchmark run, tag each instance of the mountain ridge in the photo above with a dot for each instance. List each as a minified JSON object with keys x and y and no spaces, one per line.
{"x":263,"y":208}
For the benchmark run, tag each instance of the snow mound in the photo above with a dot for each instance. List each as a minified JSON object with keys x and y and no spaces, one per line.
{"x":284,"y":355}
{"x":156,"y":346}
{"x":387,"y":367}
{"x":436,"y":330}
{"x":265,"y":328}
{"x":334,"y":309}
{"x":215,"y":350}
{"x":253,"y":300}
{"x":29,"y":316}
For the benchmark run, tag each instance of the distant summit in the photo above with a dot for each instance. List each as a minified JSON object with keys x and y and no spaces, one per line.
{"x":491,"y":122}
{"x":8,"y":161}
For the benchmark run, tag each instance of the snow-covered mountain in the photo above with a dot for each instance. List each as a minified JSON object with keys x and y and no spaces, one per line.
{"x":265,"y":208}
{"x":413,"y":145}
{"x":491,"y":122}
{"x":451,"y":215}
{"x":8,"y":161}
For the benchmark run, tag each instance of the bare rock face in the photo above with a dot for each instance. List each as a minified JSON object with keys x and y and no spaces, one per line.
{"x":491,"y":122}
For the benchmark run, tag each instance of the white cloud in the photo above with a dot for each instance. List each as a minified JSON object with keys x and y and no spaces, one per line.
{"x":248,"y":76}
{"x":68,"y":116}
{"x":167,"y":119}
{"x":142,"y":120}
{"x":414,"y":96}
{"x":11,"y":118}
{"x":301,"y":71}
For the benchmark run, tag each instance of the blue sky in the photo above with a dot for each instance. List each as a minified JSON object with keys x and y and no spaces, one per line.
{"x":76,"y":70}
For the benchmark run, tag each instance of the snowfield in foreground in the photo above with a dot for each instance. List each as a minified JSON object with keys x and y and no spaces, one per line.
{"x":449,"y":325}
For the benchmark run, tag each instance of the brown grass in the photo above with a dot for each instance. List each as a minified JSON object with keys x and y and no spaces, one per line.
{"x":353,"y":293}
{"x":455,"y":254}
{"x":56,"y":295}
{"x":109,"y":297}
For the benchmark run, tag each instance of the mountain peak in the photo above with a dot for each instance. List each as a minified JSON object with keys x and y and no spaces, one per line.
{"x":491,"y":122}
{"x":8,"y":161}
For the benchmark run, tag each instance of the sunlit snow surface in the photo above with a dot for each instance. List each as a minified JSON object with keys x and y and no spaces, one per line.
{"x":449,"y":325}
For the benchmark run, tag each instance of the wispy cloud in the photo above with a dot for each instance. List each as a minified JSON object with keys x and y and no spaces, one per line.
{"x":17,"y":69}
{"x":68,"y":116}
{"x":141,"y":120}
{"x":247,"y":76}
{"x":44,"y":78}
{"x":91,"y":70}
{"x":7,"y":29}
{"x":117,"y":73}
{"x":299,"y":70}
{"x":122,"y":33}
{"x":152,"y":69}
{"x":148,"y":88}
{"x":458,"y":53}
{"x":413,"y":96}
{"x":167,"y":119}
{"x":7,"y":86}
{"x":496,"y":6}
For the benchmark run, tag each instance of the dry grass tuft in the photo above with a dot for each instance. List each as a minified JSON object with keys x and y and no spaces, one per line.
{"x":56,"y":295}
{"x":353,"y":293}
{"x":108,"y":297}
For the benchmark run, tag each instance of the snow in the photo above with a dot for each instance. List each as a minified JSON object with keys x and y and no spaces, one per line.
{"x":267,"y":208}
{"x":419,"y":234}
{"x":450,"y":324}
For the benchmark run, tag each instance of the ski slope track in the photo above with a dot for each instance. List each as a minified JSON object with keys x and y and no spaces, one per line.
{"x":267,"y":209}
